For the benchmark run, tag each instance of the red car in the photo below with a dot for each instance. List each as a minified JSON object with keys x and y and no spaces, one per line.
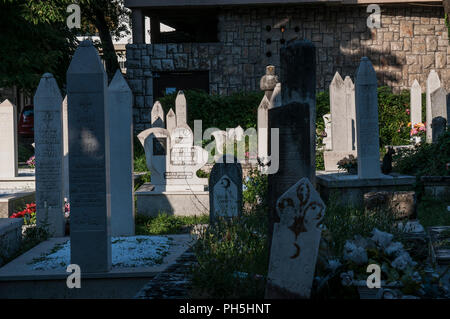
{"x":26,"y":122}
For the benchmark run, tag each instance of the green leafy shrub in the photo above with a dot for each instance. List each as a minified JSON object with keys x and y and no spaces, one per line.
{"x":255,"y":188}
{"x":140,"y":163}
{"x":425,"y":159}
{"x":219,"y":111}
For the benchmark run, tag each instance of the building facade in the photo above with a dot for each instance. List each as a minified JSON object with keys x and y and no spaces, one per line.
{"x":224,"y":49}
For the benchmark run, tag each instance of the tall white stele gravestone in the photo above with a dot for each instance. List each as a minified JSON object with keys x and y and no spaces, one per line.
{"x":416,"y":103}
{"x":48,"y":137}
{"x":433,"y":83}
{"x":90,"y":205}
{"x":8,"y":140}
{"x":367,"y":121}
{"x":120,"y":112}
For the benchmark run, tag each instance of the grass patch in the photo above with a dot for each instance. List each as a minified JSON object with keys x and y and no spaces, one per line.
{"x":167,"y":224}
{"x":31,"y":238}
{"x":232,"y":258}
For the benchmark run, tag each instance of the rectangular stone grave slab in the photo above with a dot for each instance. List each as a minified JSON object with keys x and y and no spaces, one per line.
{"x":10,"y":236}
{"x":349,"y":189}
{"x":14,"y":201}
{"x":179,"y":203}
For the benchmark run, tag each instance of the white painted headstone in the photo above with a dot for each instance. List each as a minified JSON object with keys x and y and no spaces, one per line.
{"x":275,"y":99}
{"x":65,"y":150}
{"x":295,"y":242}
{"x":120,"y":111}
{"x":343,"y":121}
{"x":416,"y":103}
{"x":433,"y":83}
{"x":367,"y":121}
{"x":181,"y":108}
{"x":263,"y":133}
{"x":48,"y":137}
{"x":8,"y":140}
{"x":171,"y":120}
{"x":157,"y":115}
{"x":327,"y":141}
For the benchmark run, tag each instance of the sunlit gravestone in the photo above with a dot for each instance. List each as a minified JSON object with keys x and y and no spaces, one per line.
{"x":8,"y":140}
{"x":48,"y":135}
{"x":90,"y":242}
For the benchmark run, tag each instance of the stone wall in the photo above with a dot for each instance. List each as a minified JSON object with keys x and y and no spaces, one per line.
{"x":412,"y":40}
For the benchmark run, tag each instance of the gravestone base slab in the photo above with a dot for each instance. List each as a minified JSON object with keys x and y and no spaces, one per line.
{"x":11,"y":201}
{"x":19,"y":281}
{"x":179,"y":203}
{"x":10,"y":236}
{"x":331,"y":158}
{"x":349,"y":189}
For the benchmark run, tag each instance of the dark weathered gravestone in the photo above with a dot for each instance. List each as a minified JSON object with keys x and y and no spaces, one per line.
{"x":90,"y":242}
{"x":295,"y":120}
{"x":225,"y":189}
{"x":438,"y":125}
{"x":49,"y":156}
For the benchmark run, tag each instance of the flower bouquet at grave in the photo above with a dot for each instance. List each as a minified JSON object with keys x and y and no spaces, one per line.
{"x":417,"y":132}
{"x":31,"y":162}
{"x":28,"y":214}
{"x":350,"y":164}
{"x":401,"y":276}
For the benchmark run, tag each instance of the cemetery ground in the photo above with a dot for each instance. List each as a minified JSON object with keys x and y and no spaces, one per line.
{"x":231,"y":257}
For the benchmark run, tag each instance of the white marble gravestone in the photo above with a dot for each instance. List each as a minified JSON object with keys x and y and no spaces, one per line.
{"x":65,"y":150}
{"x":416,"y":104}
{"x":433,"y":83}
{"x":275,"y":99}
{"x":156,"y":143}
{"x":171,"y":120}
{"x":263,"y":134}
{"x":367,"y":121}
{"x":48,"y":137}
{"x":90,"y":206}
{"x":343,"y":130}
{"x":327,"y":140}
{"x":173,"y":161}
{"x":120,"y":111}
{"x":295,"y":242}
{"x":8,"y":140}
{"x":181,"y":108}
{"x":439,"y":112}
{"x":157,"y":115}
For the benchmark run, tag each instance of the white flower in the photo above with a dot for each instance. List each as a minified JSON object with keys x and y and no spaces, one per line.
{"x":355,"y":253}
{"x":333,"y":264}
{"x":382,"y":239}
{"x":395,"y":248}
{"x":347,"y":278}
{"x":403,"y":261}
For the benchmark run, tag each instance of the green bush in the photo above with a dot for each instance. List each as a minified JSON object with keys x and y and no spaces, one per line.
{"x":255,"y":189}
{"x":140,"y":163}
{"x":167,"y":224}
{"x":232,"y":258}
{"x":218,"y":111}
{"x":425,"y":159}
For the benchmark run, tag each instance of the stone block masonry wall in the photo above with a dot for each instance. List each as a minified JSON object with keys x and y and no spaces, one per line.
{"x":412,"y":40}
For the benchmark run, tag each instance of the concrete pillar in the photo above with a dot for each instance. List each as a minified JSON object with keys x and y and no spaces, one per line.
{"x":138,"y":26}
